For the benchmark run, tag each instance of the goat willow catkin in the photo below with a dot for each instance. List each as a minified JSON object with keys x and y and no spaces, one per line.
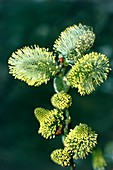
{"x":35,"y":65}
{"x":61,"y":157}
{"x":61,"y":100}
{"x":74,"y":41}
{"x":70,"y":65}
{"x":98,"y":160}
{"x":88,"y":72}
{"x":80,"y":141}
{"x":50,"y":121}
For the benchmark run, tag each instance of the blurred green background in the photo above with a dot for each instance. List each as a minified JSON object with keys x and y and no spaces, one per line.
{"x":29,"y":22}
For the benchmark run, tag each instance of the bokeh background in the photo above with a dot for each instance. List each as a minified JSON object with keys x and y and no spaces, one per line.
{"x":29,"y":22}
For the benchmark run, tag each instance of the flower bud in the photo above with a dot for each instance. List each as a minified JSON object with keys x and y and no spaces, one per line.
{"x":99,"y":162}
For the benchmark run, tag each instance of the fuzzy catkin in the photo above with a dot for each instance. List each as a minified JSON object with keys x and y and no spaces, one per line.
{"x":61,"y":157}
{"x":74,"y":41}
{"x":33,"y":65}
{"x":61,"y":100}
{"x":88,"y":72}
{"x":50,"y":121}
{"x":80,"y":141}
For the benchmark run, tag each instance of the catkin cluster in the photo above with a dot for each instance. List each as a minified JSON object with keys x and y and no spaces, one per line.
{"x":37,"y":65}
{"x":78,"y":144}
{"x":71,"y":66}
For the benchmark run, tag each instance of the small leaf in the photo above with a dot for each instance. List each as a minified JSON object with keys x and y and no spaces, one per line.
{"x":60,"y":85}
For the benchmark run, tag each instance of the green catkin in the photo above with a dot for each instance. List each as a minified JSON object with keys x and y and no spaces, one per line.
{"x":98,"y":160}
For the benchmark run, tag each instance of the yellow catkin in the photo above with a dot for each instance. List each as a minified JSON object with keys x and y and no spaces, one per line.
{"x":33,"y":65}
{"x":61,"y":100}
{"x":88,"y":72}
{"x":80,"y":141}
{"x":74,"y":41}
{"x":50,"y":121}
{"x":61,"y":157}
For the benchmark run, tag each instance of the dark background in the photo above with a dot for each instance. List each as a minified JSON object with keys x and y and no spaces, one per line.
{"x":29,"y":22}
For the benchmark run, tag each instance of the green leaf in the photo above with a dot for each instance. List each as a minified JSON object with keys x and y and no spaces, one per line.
{"x":60,"y":85}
